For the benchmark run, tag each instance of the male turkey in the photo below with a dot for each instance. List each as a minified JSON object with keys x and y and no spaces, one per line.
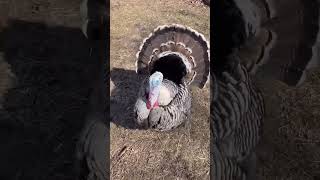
{"x":265,"y":38}
{"x":173,"y":57}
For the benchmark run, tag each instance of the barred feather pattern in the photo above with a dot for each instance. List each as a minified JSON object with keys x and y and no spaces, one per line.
{"x":262,"y":38}
{"x":91,"y":152}
{"x":226,"y":168}
{"x":237,"y":114}
{"x":140,"y":110}
{"x":165,"y":117}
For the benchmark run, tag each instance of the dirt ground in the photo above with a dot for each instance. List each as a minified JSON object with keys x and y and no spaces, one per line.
{"x":290,"y":148}
{"x":144,"y":154}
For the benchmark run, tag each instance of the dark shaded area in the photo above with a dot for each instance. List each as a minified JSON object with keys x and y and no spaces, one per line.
{"x":96,"y":10}
{"x":93,"y":148}
{"x":123,"y":97}
{"x":229,"y":27}
{"x":206,"y":2}
{"x":172,"y":68}
{"x":44,"y":114}
{"x":228,"y":33}
{"x":289,"y":60}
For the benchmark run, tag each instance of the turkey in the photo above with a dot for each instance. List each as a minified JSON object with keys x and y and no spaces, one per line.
{"x":173,"y":58}
{"x":274,"y":40}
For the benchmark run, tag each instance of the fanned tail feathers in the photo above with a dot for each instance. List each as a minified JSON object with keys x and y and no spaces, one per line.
{"x":189,"y":45}
{"x":286,"y":42}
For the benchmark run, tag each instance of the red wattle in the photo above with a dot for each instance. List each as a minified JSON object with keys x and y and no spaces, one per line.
{"x":156,"y":104}
{"x":148,"y":105}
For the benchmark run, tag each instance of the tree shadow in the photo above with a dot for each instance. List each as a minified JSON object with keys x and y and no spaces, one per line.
{"x":45,"y":111}
{"x":123,"y":97}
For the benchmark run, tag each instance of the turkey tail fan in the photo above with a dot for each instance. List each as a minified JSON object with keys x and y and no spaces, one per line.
{"x":285,"y":40}
{"x":176,"y":51}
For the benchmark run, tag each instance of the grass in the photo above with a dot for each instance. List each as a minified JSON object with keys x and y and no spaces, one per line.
{"x":145,"y":154}
{"x":290,"y":148}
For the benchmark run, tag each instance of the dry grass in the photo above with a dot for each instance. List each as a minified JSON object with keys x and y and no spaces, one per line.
{"x":51,"y":12}
{"x":291,"y":144}
{"x":145,"y":154}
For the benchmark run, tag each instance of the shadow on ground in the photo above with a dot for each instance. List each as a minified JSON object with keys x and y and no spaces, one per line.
{"x":127,"y":84}
{"x":44,"y":113}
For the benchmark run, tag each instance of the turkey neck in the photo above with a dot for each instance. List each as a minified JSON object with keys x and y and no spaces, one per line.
{"x":167,"y":92}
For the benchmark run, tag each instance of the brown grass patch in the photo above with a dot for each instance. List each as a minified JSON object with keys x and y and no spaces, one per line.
{"x":145,"y":154}
{"x":291,"y":142}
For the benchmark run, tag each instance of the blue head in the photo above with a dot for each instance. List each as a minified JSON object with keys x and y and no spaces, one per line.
{"x":155,"y":81}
